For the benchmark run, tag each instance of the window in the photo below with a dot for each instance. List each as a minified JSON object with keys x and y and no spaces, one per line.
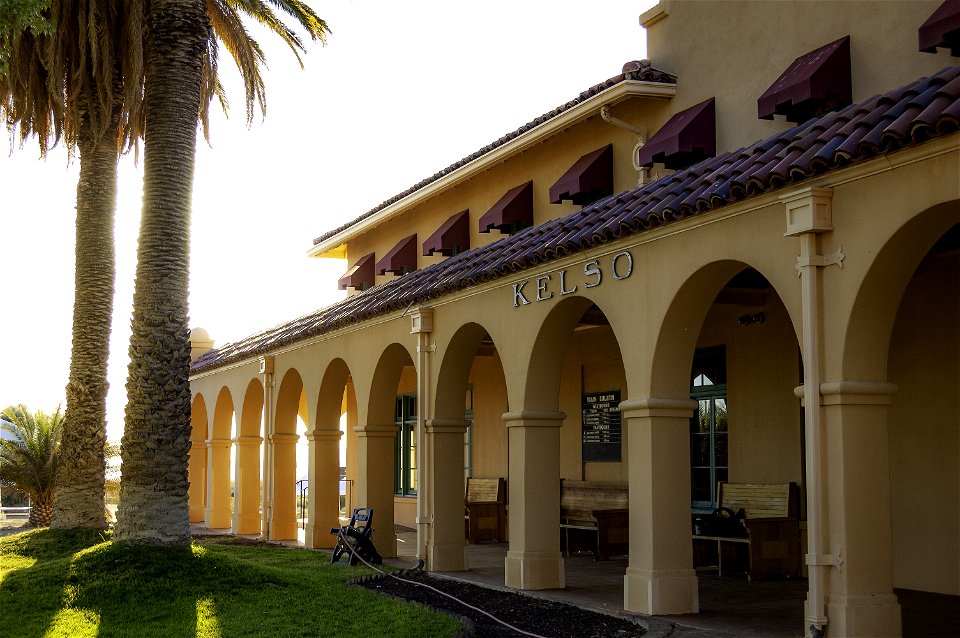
{"x":468,"y":437}
{"x":405,"y":445}
{"x":708,"y":426}
{"x":405,"y":449}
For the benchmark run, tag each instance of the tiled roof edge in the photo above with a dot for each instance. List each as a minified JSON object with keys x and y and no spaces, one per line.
{"x":638,"y":70}
{"x":907,"y":116}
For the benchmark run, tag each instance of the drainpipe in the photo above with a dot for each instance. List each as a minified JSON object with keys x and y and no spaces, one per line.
{"x":421,"y":324}
{"x":809,"y":213}
{"x":266,"y":369}
{"x":643,"y":172}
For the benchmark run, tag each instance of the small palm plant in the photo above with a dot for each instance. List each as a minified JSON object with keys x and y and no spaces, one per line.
{"x":28,"y":457}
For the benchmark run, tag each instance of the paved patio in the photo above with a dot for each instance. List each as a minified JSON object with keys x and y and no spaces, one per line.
{"x":729,"y":606}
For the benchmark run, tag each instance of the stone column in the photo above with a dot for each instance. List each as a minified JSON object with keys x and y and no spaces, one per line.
{"x":284,"y":523}
{"x":197,"y":472}
{"x":859,"y":595}
{"x":324,"y":492}
{"x":533,"y":560}
{"x":218,"y":513}
{"x":447,"y":546}
{"x":660,"y":578}
{"x":246,"y":514}
{"x":375,"y":482}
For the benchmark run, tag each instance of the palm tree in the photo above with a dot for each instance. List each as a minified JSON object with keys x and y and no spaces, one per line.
{"x":83,"y":83}
{"x":153,"y":491}
{"x":28,"y":458}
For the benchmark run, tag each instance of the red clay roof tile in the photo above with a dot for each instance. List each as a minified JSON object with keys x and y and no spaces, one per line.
{"x":836,"y":139}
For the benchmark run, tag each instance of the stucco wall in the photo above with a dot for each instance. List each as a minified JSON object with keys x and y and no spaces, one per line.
{"x":924,"y":430}
{"x":734,"y":50}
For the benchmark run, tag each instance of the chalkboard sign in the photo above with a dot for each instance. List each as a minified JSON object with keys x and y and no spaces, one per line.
{"x":601,"y":426}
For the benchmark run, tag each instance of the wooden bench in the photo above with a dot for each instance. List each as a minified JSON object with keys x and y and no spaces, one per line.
{"x":773,"y":527}
{"x":600,"y":507}
{"x":486,"y":510}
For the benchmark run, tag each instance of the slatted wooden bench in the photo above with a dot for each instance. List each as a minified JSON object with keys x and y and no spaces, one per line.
{"x":773,"y":527}
{"x":486,"y":510}
{"x":602,"y":507}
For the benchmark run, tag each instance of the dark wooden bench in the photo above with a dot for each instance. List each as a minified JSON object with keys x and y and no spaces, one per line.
{"x":486,"y":510}
{"x":773,"y":528}
{"x":599,"y":507}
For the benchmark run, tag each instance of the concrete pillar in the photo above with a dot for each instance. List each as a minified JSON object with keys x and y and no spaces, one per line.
{"x":533,"y":559}
{"x":246,"y":513}
{"x":375,"y":482}
{"x":284,"y":523}
{"x":446,"y":546}
{"x":859,"y":595}
{"x":324,"y":492}
{"x":197,"y":472}
{"x":218,"y":511}
{"x":660,"y":578}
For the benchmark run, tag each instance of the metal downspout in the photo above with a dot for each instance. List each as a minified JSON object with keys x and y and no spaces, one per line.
{"x":422,"y":326}
{"x":809,"y":212}
{"x":816,"y":617}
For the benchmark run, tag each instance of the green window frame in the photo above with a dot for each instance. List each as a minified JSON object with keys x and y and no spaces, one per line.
{"x":709,"y":427}
{"x":405,"y":446}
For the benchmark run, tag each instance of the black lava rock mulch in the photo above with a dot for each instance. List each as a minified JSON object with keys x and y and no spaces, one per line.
{"x":535,"y":615}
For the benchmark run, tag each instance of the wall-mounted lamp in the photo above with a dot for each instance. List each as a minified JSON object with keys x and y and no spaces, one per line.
{"x":749,"y":320}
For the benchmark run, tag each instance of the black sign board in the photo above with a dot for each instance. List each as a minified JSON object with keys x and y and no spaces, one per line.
{"x":601,"y":426}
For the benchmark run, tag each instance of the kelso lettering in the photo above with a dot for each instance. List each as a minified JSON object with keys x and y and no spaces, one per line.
{"x":561,"y":283}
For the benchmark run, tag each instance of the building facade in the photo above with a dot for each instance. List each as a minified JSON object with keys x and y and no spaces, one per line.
{"x":749,"y":245}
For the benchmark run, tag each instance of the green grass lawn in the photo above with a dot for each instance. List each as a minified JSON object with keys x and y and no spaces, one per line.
{"x":70,"y":583}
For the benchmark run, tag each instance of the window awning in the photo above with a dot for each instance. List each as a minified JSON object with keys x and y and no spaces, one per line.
{"x":360,"y":276}
{"x":814,"y":84}
{"x":687,"y":137}
{"x":451,"y":238}
{"x":512,"y":212}
{"x":588,"y":180}
{"x":942,"y":29}
{"x":401,"y":259}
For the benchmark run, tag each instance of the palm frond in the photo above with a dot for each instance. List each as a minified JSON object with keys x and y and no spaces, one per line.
{"x":28,"y":461}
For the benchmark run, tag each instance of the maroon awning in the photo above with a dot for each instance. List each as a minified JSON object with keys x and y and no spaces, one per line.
{"x":588,"y":180}
{"x":401,"y":259}
{"x":452,"y":237}
{"x":360,"y":276}
{"x":686,"y":138}
{"x":814,"y":84}
{"x":942,"y":29}
{"x":513,"y":212}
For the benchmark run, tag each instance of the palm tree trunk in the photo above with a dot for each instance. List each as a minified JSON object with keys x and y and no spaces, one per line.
{"x":154,"y":505}
{"x":80,"y":476}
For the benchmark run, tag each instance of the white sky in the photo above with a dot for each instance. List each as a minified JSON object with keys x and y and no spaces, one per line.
{"x":402,"y":90}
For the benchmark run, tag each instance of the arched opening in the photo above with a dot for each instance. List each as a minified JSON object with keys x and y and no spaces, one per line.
{"x":219,"y":514}
{"x":924,"y":425}
{"x":327,"y":457}
{"x":721,"y":410}
{"x":468,"y":439}
{"x":387,"y":463}
{"x":247,"y":474}
{"x":290,"y":416}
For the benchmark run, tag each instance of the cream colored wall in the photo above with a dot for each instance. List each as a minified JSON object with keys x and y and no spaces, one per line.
{"x":489,"y":404}
{"x":735,"y":49}
{"x":544,"y":164}
{"x":592,"y":364}
{"x":924,"y":430}
{"x":763,"y":368}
